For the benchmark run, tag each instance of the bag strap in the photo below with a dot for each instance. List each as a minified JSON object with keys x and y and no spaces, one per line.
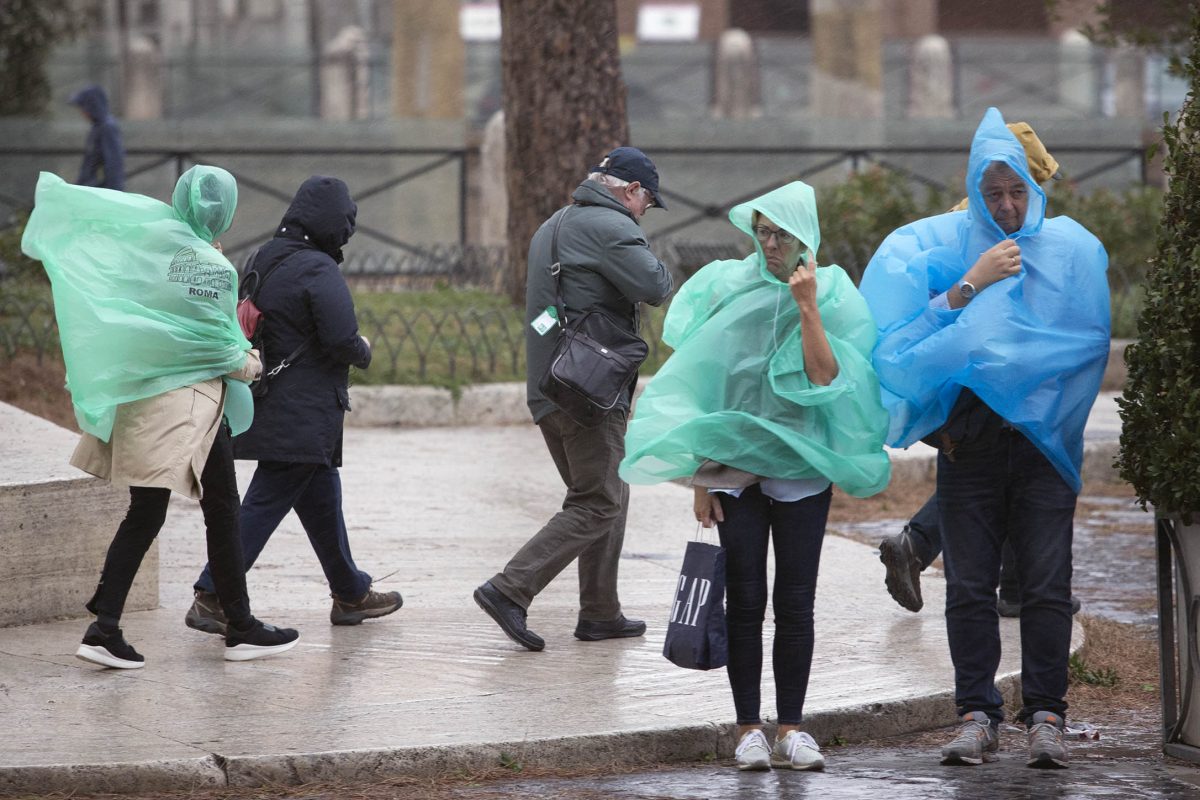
{"x":260,"y":280}
{"x":556,"y":269}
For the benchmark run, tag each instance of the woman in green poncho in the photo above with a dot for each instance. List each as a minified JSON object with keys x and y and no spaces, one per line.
{"x":768,"y":399}
{"x":156,"y":364}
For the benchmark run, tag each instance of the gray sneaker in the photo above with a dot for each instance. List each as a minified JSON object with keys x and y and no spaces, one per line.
{"x":206,"y":614}
{"x":372,"y":604}
{"x":753,"y":751}
{"x":903,"y":576}
{"x":975,"y":742}
{"x":1046,"y":747}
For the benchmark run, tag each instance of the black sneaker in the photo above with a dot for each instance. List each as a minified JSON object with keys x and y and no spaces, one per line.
{"x":372,"y":604}
{"x":108,"y":649}
{"x":258,"y":641}
{"x":206,"y":614}
{"x":508,"y":615}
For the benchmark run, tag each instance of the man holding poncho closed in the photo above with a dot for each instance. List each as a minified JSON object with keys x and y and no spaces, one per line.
{"x":768,"y":399}
{"x":993,"y":336}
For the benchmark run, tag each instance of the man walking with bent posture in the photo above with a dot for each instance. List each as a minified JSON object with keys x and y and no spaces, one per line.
{"x":607,"y":265}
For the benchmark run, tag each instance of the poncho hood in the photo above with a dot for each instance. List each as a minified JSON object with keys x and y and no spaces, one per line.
{"x":993,"y":143}
{"x":205,"y":198}
{"x":792,"y":207}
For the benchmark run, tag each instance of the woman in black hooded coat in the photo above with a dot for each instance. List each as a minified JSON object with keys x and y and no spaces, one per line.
{"x":297,"y":432}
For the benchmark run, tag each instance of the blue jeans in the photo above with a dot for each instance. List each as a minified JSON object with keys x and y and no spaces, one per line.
{"x":797,"y":530}
{"x":926,"y":538}
{"x":1007,"y":489}
{"x":315,"y":492}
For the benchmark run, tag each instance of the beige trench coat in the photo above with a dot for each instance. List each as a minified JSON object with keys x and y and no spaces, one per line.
{"x":162,"y":441}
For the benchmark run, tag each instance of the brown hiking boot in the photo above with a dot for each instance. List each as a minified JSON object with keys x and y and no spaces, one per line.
{"x":372,"y":604}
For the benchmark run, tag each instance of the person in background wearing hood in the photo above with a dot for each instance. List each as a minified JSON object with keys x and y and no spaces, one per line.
{"x":103,"y":154}
{"x":606,"y":264}
{"x":296,"y":437}
{"x":157,"y":368}
{"x":1014,"y":342}
{"x":768,"y":399}
{"x":908,"y":553}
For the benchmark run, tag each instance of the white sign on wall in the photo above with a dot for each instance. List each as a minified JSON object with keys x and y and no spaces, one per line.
{"x":668,"y":22}
{"x":479,"y":22}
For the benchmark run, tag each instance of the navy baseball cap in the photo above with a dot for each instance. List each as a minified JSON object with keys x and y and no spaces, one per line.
{"x":631,"y":164}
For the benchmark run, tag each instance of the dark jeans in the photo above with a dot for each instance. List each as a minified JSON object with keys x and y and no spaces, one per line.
{"x":315,"y":492}
{"x":797,"y":530}
{"x":148,"y":511}
{"x":926,"y":538}
{"x":1009,"y":489}
{"x":591,"y":525}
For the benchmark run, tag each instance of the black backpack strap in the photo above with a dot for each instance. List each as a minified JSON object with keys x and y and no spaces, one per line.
{"x":287,"y":362}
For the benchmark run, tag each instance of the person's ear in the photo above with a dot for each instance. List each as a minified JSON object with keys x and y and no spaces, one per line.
{"x":633,"y":187}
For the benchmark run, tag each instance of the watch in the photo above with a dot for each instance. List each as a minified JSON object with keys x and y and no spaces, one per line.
{"x":967,"y":290}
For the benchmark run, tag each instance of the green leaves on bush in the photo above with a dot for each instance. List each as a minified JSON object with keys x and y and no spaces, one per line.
{"x":1160,"y":438}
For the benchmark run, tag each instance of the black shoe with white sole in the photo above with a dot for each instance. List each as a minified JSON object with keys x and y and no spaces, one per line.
{"x":258,"y":641}
{"x":108,"y":649}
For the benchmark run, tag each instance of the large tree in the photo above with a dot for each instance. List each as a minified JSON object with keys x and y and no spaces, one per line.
{"x":564,"y":108}
{"x":29,"y":29}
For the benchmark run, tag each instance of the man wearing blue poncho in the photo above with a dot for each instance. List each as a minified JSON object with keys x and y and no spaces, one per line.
{"x":768,"y":399}
{"x":993,"y":336}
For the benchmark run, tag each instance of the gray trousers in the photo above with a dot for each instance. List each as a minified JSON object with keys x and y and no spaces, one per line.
{"x":591,"y":525}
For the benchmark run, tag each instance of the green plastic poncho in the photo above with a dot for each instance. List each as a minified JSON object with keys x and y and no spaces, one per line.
{"x":735,"y":391}
{"x":145,"y":304}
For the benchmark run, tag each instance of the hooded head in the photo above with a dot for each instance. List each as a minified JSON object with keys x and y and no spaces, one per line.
{"x":791,"y":209}
{"x":205,"y":198}
{"x":92,"y":101}
{"x":322,"y":212}
{"x":997,"y":157}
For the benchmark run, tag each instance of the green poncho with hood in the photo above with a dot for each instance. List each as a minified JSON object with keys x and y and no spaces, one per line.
{"x":735,"y":391}
{"x":144,"y":303}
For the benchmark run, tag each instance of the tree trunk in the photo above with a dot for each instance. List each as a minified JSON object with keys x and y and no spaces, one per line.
{"x":564,"y":109}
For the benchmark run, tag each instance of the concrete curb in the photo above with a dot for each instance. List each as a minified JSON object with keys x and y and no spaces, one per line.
{"x":660,"y":745}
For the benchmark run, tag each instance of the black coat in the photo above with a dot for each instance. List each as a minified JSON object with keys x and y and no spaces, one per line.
{"x":300,"y":418}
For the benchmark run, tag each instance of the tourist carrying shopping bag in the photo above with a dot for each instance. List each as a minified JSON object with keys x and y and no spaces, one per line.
{"x":696,"y":636}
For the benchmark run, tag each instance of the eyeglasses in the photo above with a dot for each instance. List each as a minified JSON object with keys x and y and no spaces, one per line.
{"x":764,"y":234}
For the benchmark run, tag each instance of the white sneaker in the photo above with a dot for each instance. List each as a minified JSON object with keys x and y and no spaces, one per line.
{"x":797,"y":750}
{"x":753,"y":751}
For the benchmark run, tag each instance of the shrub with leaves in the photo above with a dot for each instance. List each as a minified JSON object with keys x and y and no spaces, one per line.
{"x":1160,"y":439}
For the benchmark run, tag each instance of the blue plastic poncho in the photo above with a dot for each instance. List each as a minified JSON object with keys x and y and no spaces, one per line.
{"x":144,"y":303}
{"x":735,"y":391}
{"x":1033,"y":346}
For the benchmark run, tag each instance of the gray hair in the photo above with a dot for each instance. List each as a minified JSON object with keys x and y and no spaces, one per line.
{"x":613,"y":182}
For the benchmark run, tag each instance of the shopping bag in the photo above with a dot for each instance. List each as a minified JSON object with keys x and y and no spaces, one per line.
{"x":696,"y":637}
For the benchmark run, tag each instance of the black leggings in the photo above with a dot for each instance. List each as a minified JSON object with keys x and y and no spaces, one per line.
{"x":148,"y":511}
{"x":797,"y":530}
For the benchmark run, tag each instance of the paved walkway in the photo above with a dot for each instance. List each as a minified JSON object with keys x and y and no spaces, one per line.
{"x":436,"y":686}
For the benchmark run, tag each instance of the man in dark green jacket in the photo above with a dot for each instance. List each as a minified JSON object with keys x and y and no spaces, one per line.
{"x":607,"y":265}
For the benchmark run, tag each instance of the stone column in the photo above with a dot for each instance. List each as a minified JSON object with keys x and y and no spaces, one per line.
{"x":345,"y":76}
{"x":847,"y":73}
{"x":493,"y":191}
{"x":737,"y":87}
{"x":143,"y":79}
{"x":1076,"y":74}
{"x":931,"y":79}
{"x":1129,"y":83}
{"x":427,"y":60}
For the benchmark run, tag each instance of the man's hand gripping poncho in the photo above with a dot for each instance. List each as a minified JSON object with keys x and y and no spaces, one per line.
{"x":1033,"y":346}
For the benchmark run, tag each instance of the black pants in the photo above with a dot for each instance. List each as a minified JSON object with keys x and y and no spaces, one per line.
{"x":143,"y":521}
{"x":752,"y":523}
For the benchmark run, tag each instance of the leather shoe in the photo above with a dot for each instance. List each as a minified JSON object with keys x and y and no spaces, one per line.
{"x":619,"y":628}
{"x":508,"y":615}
